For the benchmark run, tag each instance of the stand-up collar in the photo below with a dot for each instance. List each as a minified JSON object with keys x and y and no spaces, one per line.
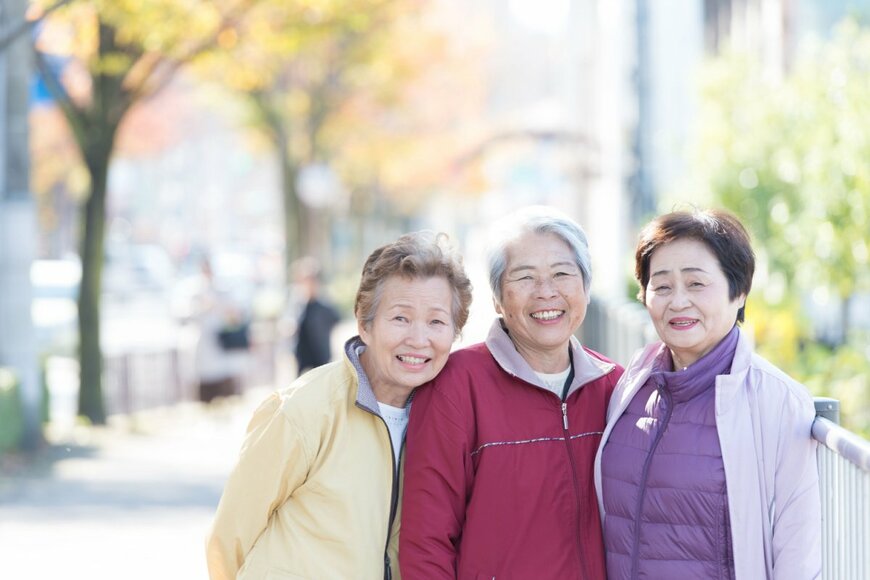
{"x":685,"y":384}
{"x":586,"y":367}
{"x":365,"y":395}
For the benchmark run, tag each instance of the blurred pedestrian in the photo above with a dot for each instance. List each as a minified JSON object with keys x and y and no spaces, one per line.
{"x":316,"y":489}
{"x":221,"y":348}
{"x":707,"y":467}
{"x":498,"y":479}
{"x":318,"y":317}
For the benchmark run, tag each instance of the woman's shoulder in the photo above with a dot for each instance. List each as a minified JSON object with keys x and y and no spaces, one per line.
{"x":463,"y":364}
{"x":770,"y":379}
{"x":465,"y":358}
{"x":318,"y":388}
{"x":642,"y":360}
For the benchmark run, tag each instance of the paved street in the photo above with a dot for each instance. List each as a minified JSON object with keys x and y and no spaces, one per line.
{"x":131,"y":500}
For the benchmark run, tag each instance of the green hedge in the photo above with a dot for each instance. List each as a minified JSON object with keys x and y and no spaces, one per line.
{"x":11,"y":423}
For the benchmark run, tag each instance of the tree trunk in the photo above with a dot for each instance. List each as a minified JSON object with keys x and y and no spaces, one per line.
{"x":295,"y":223}
{"x":91,"y":404}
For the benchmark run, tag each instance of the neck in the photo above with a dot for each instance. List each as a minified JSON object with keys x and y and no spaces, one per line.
{"x":545,"y":361}
{"x":684,"y":359}
{"x":391,"y":396}
{"x":680,"y":364}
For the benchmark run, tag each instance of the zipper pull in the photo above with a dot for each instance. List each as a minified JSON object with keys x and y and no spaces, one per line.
{"x":565,"y":415}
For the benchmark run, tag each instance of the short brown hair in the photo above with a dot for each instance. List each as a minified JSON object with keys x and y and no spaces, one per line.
{"x":719,"y":230}
{"x":422,"y":254}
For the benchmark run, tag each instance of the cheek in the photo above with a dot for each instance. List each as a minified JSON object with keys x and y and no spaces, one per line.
{"x":654,"y":308}
{"x":505,"y":309}
{"x":444,"y":343}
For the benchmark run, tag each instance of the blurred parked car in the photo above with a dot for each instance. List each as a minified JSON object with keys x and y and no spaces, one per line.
{"x":53,"y":310}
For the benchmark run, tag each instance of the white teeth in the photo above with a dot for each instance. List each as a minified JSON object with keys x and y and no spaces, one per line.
{"x":412,"y":360}
{"x":689,"y":323}
{"x":547,"y":314}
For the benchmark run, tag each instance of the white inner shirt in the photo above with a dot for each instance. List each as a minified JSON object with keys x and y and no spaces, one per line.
{"x":396,"y":419}
{"x":555,"y":381}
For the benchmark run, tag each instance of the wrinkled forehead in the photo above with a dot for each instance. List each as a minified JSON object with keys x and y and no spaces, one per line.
{"x":538,"y":248}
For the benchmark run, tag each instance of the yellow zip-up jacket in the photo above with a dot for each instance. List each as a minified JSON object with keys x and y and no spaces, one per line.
{"x":314,"y":491}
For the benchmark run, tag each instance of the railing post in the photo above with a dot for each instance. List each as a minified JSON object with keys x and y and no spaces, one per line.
{"x":828,"y":408}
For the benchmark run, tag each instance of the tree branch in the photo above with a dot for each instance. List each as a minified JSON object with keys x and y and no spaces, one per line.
{"x":11,"y":34}
{"x":75,"y":115}
{"x":160,"y":70}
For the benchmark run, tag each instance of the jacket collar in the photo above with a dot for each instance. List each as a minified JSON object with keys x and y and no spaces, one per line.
{"x":365,"y":396}
{"x":638,"y":371}
{"x":586,"y":367}
{"x":726,"y":391}
{"x":636,"y":374}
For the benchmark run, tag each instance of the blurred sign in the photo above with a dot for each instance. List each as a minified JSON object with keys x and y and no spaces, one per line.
{"x":39,"y":91}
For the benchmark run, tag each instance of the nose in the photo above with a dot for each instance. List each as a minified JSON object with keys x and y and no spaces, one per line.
{"x":418,"y":335}
{"x":680,"y":299}
{"x":545,"y":287}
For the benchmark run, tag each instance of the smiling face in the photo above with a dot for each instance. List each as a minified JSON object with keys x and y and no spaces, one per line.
{"x":543,"y":300}
{"x":687,"y":299}
{"x":409,"y":338}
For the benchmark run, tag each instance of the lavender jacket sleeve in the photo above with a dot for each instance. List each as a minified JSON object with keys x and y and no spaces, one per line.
{"x":765,"y":422}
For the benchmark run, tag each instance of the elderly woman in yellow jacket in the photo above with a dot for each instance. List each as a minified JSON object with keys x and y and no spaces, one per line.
{"x":315,"y":490}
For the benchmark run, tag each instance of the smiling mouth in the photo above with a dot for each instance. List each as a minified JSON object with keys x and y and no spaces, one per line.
{"x":547,"y":314}
{"x":412,"y":360}
{"x":682,"y":323}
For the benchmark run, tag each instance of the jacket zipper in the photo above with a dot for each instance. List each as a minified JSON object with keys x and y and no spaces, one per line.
{"x":635,"y":549}
{"x":394,"y":499}
{"x":583,"y":571}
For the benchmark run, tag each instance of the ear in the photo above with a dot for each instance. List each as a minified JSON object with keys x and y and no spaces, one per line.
{"x":497,"y":306}
{"x":362,"y":331}
{"x":741,"y":301}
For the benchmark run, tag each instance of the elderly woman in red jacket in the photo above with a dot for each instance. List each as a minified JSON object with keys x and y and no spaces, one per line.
{"x":500,"y":446}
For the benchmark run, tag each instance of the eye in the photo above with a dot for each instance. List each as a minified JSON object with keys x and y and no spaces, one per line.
{"x":661,"y":289}
{"x":400,"y":318}
{"x":521,"y":280}
{"x":696,"y":285}
{"x":438,"y":322}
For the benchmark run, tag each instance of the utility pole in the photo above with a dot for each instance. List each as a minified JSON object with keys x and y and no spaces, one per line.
{"x":18,"y":231}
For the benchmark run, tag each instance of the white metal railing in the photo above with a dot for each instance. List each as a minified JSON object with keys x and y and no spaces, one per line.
{"x":616,"y":329}
{"x":844,"y":481}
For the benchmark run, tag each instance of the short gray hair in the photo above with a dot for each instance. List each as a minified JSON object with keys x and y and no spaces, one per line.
{"x":413,"y":256}
{"x":539,"y":219}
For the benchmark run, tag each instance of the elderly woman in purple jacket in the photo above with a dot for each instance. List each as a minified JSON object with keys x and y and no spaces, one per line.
{"x":707,"y":467}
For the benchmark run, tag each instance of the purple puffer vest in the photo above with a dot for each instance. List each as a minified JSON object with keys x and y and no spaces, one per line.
{"x":663,"y":478}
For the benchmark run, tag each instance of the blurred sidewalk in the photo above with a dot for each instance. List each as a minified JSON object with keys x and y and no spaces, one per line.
{"x":130,"y":500}
{"x":133,"y":499}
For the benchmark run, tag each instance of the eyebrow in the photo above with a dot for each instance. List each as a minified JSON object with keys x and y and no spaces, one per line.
{"x":689,"y":269}
{"x":553,"y":265}
{"x":406,"y":305}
